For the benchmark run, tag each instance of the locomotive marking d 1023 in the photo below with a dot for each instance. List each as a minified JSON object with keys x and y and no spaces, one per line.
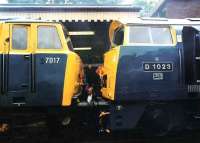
{"x":158,"y":67}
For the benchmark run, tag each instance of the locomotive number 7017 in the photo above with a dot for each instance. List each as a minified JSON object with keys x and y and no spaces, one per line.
{"x":165,"y":67}
{"x":52,"y":60}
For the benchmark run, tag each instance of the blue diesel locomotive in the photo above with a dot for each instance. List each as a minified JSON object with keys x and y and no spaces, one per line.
{"x":151,"y":75}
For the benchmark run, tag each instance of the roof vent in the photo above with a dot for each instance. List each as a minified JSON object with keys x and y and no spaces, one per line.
{"x":154,"y":18}
{"x":193,"y":19}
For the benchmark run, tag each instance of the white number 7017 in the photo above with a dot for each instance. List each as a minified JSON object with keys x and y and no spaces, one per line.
{"x":52,"y":60}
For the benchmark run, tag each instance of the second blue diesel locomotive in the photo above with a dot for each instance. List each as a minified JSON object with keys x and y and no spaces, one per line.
{"x":151,"y":75}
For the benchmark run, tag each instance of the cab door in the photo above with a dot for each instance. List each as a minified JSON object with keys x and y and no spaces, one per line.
{"x":50,"y":62}
{"x":191,"y":50}
{"x":19,"y":62}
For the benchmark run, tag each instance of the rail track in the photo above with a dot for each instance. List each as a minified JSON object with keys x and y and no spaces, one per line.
{"x":79,"y":132}
{"x":38,"y":132}
{"x":43,"y":135}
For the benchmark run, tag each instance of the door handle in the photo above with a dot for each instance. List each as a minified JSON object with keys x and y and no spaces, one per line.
{"x":24,"y":85}
{"x":27,"y":57}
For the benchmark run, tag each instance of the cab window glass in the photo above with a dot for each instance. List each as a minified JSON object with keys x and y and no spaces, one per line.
{"x":48,"y":38}
{"x":65,"y":32}
{"x":139,"y":34}
{"x":119,"y":36}
{"x":150,"y":35}
{"x":70,"y":45}
{"x":161,"y":35}
{"x":19,"y":37}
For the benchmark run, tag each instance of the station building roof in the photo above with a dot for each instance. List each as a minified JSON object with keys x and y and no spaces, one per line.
{"x":69,"y":12}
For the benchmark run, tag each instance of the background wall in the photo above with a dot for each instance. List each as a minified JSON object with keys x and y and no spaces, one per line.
{"x":178,"y":9}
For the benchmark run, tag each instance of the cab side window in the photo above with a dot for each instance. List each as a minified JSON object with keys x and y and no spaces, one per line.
{"x":139,"y":34}
{"x":118,"y":36}
{"x":19,"y":37}
{"x":150,"y":35}
{"x":48,"y":38}
{"x":161,"y":35}
{"x":70,"y":45}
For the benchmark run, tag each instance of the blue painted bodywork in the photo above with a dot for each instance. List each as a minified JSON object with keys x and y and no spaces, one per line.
{"x":141,"y":98}
{"x":30,"y":81}
{"x":133,"y":83}
{"x":50,"y":79}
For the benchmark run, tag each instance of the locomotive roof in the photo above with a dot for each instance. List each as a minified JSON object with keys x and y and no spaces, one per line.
{"x":23,"y":20}
{"x":136,"y":21}
{"x":163,"y":21}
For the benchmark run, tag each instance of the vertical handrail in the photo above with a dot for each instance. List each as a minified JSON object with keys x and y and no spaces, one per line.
{"x":32,"y":73}
{"x":3,"y":74}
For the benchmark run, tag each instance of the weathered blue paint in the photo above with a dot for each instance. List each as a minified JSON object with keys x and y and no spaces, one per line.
{"x":26,"y":72}
{"x":19,"y":70}
{"x":50,"y":79}
{"x":133,"y":83}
